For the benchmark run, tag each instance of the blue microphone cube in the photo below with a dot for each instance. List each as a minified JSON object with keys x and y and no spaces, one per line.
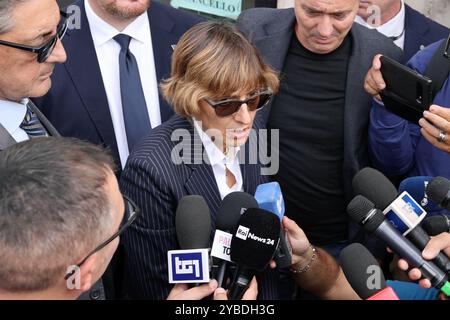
{"x":270,"y":198}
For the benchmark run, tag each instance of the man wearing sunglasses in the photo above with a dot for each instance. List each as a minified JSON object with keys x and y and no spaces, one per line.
{"x":61,"y":217}
{"x":30,"y":47}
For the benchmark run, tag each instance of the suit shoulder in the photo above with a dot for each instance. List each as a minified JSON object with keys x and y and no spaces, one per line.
{"x":256,"y":17}
{"x":374,"y":42}
{"x":158,"y":144}
{"x":177,"y":15}
{"x":435,"y":28}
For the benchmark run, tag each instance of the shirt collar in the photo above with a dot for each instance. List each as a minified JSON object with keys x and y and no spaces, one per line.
{"x":216,"y":156}
{"x":12,"y":114}
{"x":391,"y":28}
{"x":103,"y":32}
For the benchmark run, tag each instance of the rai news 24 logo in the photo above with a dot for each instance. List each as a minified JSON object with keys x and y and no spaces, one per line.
{"x":188,"y":266}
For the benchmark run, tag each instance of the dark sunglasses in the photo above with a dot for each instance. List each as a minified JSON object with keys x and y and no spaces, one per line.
{"x":44,"y":51}
{"x":227,"y":107}
{"x":447,"y":45}
{"x":130,"y":215}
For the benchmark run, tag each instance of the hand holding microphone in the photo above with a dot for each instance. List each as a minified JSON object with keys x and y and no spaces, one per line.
{"x":181,"y":291}
{"x":362,"y":211}
{"x":437,"y":244}
{"x":191,"y":265}
{"x":402,"y":211}
{"x":301,"y":248}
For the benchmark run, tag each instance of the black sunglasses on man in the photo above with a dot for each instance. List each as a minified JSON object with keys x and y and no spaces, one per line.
{"x":44,"y":51}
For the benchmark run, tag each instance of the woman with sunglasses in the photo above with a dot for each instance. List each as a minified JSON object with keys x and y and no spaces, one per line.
{"x":217,"y":85}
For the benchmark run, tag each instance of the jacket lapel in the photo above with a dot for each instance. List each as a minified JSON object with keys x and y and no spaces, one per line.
{"x":163,"y":37}
{"x":201,"y":180}
{"x":6,"y":140}
{"x":275,"y":46}
{"x":414,"y":33}
{"x":44,"y":121}
{"x":82,"y":66}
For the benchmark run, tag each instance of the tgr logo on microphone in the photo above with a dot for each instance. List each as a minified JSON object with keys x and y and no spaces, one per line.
{"x":188,"y":266}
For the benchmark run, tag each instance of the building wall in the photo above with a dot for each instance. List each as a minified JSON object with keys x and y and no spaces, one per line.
{"x":438,"y":10}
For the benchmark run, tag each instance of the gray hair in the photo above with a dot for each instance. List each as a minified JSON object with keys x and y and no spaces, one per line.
{"x":6,"y":8}
{"x":54,"y":209}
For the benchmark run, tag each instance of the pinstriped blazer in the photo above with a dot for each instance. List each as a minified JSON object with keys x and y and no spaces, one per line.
{"x":156,"y":184}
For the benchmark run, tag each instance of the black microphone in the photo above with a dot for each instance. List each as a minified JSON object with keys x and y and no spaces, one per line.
{"x":403,"y":211}
{"x":193,"y":223}
{"x":364,"y":212}
{"x":233,"y":206}
{"x":373,"y":185}
{"x":364,"y":274}
{"x":438,"y":190}
{"x":435,"y":225}
{"x":192,"y":263}
{"x":253,"y":245}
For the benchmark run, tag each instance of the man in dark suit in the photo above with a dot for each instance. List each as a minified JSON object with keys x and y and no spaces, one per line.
{"x":92,"y":99}
{"x":409,"y":29}
{"x":25,"y":73}
{"x":321,"y":110}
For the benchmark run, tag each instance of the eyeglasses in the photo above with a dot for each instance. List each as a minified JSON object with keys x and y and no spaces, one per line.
{"x":447,"y":46}
{"x":227,"y":107}
{"x":44,"y":51}
{"x":130,"y":215}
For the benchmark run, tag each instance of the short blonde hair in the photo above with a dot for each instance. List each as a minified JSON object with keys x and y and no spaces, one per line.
{"x":213,"y":60}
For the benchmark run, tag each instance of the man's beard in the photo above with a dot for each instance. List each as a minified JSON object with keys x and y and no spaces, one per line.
{"x":126,"y":13}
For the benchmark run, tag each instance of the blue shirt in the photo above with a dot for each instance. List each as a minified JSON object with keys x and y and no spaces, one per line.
{"x":397,"y":146}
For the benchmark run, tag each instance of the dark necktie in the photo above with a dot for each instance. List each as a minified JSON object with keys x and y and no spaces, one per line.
{"x":135,"y":114}
{"x":32,"y":126}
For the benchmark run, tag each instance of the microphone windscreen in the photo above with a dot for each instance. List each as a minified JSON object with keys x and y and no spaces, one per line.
{"x":256,"y":239}
{"x":270,"y":198}
{"x":362,"y":270}
{"x":231,"y":209}
{"x":436,"y":225}
{"x":373,"y":185}
{"x":416,"y":186}
{"x":193,"y":223}
{"x":359,"y":208}
{"x":438,"y":189}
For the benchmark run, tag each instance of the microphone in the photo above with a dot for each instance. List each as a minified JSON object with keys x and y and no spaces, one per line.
{"x":270,"y":198}
{"x":233,"y":206}
{"x":403,"y":211}
{"x":191,"y":264}
{"x":438,"y":190}
{"x":373,"y":185}
{"x":364,"y":212}
{"x":436,"y":224}
{"x":364,"y":274}
{"x":252,"y":247}
{"x":193,"y":222}
{"x":416,"y":188}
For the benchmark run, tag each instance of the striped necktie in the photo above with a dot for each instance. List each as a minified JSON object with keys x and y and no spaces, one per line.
{"x":32,"y":126}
